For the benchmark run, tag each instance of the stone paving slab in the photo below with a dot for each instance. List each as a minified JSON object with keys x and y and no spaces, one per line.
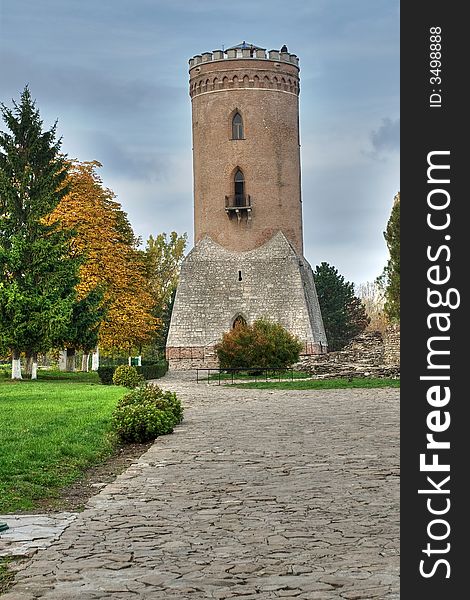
{"x":257,"y":495}
{"x":28,"y":533}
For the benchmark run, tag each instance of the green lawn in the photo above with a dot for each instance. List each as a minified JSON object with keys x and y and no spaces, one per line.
{"x":50,"y":431}
{"x":54,"y":375}
{"x":77,"y":377}
{"x":321,"y":384}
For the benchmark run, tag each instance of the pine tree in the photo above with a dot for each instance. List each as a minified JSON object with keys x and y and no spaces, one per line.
{"x":37,"y":274}
{"x":84,"y":328}
{"x":344,"y":314}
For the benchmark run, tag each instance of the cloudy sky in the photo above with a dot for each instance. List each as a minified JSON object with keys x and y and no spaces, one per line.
{"x":114,"y":73}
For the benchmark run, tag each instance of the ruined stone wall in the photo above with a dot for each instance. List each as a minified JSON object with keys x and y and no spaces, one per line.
{"x":392,"y":346}
{"x":364,"y":356}
{"x":217,"y":285}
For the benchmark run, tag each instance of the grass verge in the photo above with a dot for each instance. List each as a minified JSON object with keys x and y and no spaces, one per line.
{"x":50,"y":432}
{"x":54,"y":375}
{"x":321,"y":384}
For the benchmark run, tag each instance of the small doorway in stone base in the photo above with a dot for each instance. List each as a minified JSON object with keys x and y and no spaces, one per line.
{"x":239,"y":321}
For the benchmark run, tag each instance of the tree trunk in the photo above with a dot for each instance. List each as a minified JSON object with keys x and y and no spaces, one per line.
{"x":70,"y":360}
{"x":15,"y":365}
{"x":95,"y":360}
{"x":34,"y":366}
{"x":28,"y":368}
{"x":139,"y":360}
{"x":85,"y":362}
{"x":63,"y":360}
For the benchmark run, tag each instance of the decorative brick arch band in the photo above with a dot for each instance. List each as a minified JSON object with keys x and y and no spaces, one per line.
{"x":261,"y":80}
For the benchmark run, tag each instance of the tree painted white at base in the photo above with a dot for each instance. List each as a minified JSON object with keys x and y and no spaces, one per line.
{"x":62,"y":360}
{"x":34,"y":370}
{"x":95,"y":360}
{"x":85,"y":361}
{"x":16,"y":368}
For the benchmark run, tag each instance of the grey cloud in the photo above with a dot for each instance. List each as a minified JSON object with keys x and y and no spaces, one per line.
{"x":343,"y":225}
{"x":387,"y":137}
{"x":85,"y":88}
{"x":117,"y":158}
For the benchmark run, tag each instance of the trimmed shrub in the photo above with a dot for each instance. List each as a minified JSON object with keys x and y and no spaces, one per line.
{"x":106,"y":375}
{"x":167,"y":401}
{"x":145,"y":413}
{"x":141,"y":422}
{"x":261,"y":345}
{"x":127,"y":376}
{"x":153,"y":371}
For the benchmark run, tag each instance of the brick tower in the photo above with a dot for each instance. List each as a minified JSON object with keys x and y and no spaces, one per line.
{"x":248,"y":259}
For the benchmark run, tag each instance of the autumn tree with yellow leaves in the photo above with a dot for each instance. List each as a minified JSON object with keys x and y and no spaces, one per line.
{"x":112,"y":262}
{"x":164,"y":255}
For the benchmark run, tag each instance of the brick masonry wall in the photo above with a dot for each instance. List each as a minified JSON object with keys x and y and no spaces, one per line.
{"x":275,"y":283}
{"x":265,"y":93}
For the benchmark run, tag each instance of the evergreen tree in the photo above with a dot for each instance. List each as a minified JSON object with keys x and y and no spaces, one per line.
{"x":37,"y":274}
{"x":84,"y":328}
{"x":344,"y":314}
{"x":390,"y":278}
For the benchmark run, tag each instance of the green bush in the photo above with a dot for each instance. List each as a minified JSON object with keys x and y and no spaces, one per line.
{"x":141,"y":422}
{"x":167,"y":401}
{"x":261,"y":345}
{"x":148,"y":371}
{"x":106,"y":375}
{"x":153,"y":371}
{"x":127,"y":376}
{"x":145,"y":413}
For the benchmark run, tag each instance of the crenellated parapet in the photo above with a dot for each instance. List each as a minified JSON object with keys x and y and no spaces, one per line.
{"x":249,"y":53}
{"x":244,"y":67}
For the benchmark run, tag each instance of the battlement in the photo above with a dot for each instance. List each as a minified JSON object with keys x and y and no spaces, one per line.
{"x":247,"y":52}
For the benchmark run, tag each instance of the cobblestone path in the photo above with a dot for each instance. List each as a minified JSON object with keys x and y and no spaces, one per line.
{"x":257,"y":495}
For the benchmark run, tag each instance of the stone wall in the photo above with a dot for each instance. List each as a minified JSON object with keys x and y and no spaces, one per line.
{"x":217,"y":285}
{"x":392,"y":346}
{"x":370,"y":354}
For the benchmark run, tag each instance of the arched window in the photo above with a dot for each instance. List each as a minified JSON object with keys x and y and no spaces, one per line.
{"x":239,"y":188}
{"x":237,"y":127}
{"x":239,"y":322}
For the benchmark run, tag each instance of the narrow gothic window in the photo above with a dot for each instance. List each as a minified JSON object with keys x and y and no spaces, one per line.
{"x":239,"y":185}
{"x":237,"y":127}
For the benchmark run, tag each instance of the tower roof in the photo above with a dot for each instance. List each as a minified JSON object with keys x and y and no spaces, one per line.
{"x":245,"y":45}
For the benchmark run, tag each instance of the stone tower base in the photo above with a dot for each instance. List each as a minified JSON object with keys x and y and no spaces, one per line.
{"x":217,"y":286}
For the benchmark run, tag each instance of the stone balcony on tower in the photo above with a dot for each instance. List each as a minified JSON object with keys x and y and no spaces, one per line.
{"x":239,"y":205}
